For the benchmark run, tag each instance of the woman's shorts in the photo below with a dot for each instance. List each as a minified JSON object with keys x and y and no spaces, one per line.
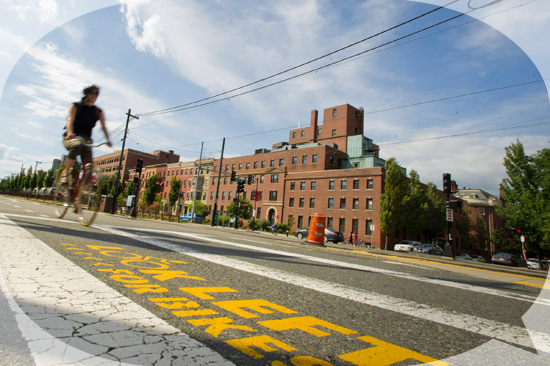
{"x":76,"y":147}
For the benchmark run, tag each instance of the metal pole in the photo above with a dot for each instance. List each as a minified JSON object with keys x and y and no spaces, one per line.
{"x":255,"y":201}
{"x":214,"y":213}
{"x":490,"y":232}
{"x":113,"y":208}
{"x":196,"y":185}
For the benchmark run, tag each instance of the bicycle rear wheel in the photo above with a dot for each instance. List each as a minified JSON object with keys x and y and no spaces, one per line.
{"x":88,"y":205}
{"x":61,"y":200}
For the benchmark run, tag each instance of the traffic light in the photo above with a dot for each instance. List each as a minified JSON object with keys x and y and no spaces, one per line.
{"x":250,"y":179}
{"x":519,"y":231}
{"x":454,"y":204}
{"x":139,"y":165}
{"x":240,"y":186}
{"x":446,"y":183}
{"x":233,"y":175}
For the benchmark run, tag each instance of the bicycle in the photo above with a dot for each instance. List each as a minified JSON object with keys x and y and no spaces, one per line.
{"x":82,"y":191}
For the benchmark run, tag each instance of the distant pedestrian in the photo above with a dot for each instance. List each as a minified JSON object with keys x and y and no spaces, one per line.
{"x":351,"y":237}
{"x":273,"y":228}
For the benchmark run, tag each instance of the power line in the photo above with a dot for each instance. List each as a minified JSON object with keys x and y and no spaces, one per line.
{"x":162,"y":111}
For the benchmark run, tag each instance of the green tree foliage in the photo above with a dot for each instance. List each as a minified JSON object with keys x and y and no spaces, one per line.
{"x":34,"y":180}
{"x":481,"y":235}
{"x":464,"y":227}
{"x":505,"y":242}
{"x":48,"y":181}
{"x":415,"y":205}
{"x":175,"y":186}
{"x":130,"y":188}
{"x":526,"y":195}
{"x":200,"y":208}
{"x":151,"y":190}
{"x":40,"y":179}
{"x":391,"y":201}
{"x":243,"y":212}
{"x":435,"y":220}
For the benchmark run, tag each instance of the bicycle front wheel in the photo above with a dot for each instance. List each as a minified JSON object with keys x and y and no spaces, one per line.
{"x":61,"y":200}
{"x":88,"y":205}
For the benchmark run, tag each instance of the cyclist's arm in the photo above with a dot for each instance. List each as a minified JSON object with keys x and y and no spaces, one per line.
{"x":104,"y":128}
{"x":70,"y":122}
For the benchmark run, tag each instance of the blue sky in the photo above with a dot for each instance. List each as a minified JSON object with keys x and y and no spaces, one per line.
{"x":152,"y":55}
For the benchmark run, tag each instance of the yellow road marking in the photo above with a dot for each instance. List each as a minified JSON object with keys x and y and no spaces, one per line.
{"x":306,"y":324}
{"x":260,"y":342}
{"x":218,"y":325}
{"x":532,"y":284}
{"x":236,"y":307}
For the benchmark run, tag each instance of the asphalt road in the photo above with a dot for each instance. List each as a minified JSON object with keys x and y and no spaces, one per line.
{"x":152,"y":293}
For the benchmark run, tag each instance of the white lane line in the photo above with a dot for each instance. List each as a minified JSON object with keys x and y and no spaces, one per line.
{"x":17,"y":206}
{"x":409,"y":276}
{"x":29,"y":210}
{"x":406,"y":264}
{"x":44,"y":215}
{"x":490,"y":328}
{"x":82,"y":309}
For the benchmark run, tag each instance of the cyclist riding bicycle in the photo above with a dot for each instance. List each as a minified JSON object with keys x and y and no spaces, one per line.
{"x":81,"y":119}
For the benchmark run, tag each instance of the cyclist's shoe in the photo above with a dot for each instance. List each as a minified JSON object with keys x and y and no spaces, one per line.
{"x":64,"y":180}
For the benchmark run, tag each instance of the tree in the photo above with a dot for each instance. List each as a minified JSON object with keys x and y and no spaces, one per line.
{"x":130,"y":188}
{"x":175,"y":186}
{"x":391,"y":201}
{"x":464,"y":227}
{"x":415,"y":204}
{"x":435,"y":220}
{"x":481,"y":236}
{"x":243,"y":212}
{"x":200,"y":208}
{"x":151,"y":189}
{"x":526,"y":195}
{"x":40,"y":179}
{"x":34,"y":181}
{"x":48,"y":181}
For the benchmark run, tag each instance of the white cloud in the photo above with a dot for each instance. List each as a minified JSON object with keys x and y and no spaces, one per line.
{"x":48,"y":9}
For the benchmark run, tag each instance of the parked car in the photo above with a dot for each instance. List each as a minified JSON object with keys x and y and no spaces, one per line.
{"x":533,"y":263}
{"x":478,"y":258}
{"x":330,"y":235}
{"x":431,"y":249}
{"x":197,"y":218}
{"x":463,"y":256}
{"x":407,"y":246}
{"x":505,"y":258}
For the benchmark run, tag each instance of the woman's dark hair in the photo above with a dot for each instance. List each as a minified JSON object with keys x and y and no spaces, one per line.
{"x":88,"y":88}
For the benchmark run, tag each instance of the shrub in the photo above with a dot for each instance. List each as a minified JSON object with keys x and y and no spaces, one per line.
{"x":264,"y":225}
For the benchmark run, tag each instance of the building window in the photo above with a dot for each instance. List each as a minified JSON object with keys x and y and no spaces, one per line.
{"x":224,"y":180}
{"x":343,"y":185}
{"x":186,"y":171}
{"x":355,"y":225}
{"x":313,"y":185}
{"x":342,"y":203}
{"x":303,"y":133}
{"x":312,"y":203}
{"x":259,"y":213}
{"x":263,"y":164}
{"x":356,"y":184}
{"x":255,"y":165}
{"x":356,"y":203}
{"x":330,"y":222}
{"x":331,"y":185}
{"x":302,"y":186}
{"x":342,"y":225}
{"x":261,"y":196}
{"x":300,"y":222}
{"x":368,"y":230}
{"x":294,"y":135}
{"x":168,"y":173}
{"x":229,"y":195}
{"x":191,"y":171}
{"x":331,"y":160}
{"x":314,"y":158}
{"x":333,"y":132}
{"x":291,"y":202}
{"x":294,"y":160}
{"x":212,"y":195}
{"x":272,"y":163}
{"x":369,"y":184}
{"x":275,"y":178}
{"x":331,"y":203}
{"x":247,"y":166}
{"x":261,"y":178}
{"x":369,"y":204}
{"x":232,"y":166}
{"x":281,"y":162}
{"x":319,"y":132}
{"x":301,"y":204}
{"x":223,"y":195}
{"x":273,"y":195}
{"x":292,"y":186}
{"x":334,"y":112}
{"x":240,"y":166}
{"x":304,"y":159}
{"x":481,"y":210}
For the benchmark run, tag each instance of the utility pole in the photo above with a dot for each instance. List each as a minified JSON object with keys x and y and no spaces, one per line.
{"x":196,"y":185}
{"x":113,"y":208}
{"x":214,"y":213}
{"x":36,"y":165}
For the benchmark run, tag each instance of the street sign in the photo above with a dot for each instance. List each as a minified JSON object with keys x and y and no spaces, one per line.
{"x":450,"y":214}
{"x":523,"y":239}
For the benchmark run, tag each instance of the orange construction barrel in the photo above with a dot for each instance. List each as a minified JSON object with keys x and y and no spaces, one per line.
{"x":317,"y":230}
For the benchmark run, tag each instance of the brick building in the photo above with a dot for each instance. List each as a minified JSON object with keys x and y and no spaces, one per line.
{"x":326,"y":168}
